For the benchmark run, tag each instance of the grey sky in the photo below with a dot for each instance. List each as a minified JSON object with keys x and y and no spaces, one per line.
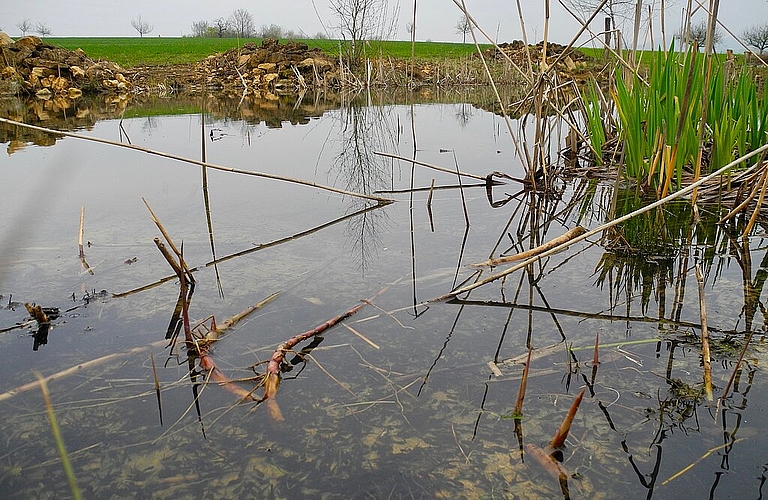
{"x":436,"y":18}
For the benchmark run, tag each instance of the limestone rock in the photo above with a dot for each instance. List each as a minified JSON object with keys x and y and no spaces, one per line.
{"x":5,"y":39}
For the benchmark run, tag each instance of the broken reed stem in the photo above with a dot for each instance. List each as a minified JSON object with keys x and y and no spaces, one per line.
{"x":756,"y":212}
{"x":80,"y":248}
{"x":518,"y":413}
{"x":558,"y":440}
{"x":733,"y":374}
{"x":157,"y":387}
{"x":59,"y":441}
{"x":431,"y":191}
{"x":705,"y":455}
{"x":167,"y":237}
{"x":200,"y":163}
{"x":704,"y":336}
{"x":596,"y":356}
{"x":170,"y":258}
{"x":555,"y":242}
{"x":428,"y":165}
{"x":234,"y":320}
{"x":79,"y":368}
{"x":80,"y":234}
{"x":601,"y":228}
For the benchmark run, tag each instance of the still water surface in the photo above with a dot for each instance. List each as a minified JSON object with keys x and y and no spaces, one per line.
{"x":413,"y":409}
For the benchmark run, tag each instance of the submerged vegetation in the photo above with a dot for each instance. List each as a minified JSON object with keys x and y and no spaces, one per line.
{"x":571,"y":284}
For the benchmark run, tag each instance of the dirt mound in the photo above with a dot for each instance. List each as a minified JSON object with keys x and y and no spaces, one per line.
{"x":33,"y":67}
{"x":270,"y":66}
{"x":572,"y":61}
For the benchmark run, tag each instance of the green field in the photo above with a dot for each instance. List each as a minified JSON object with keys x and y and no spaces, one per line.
{"x":132,"y":51}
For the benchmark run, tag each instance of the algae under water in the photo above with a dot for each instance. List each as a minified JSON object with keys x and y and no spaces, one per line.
{"x":414,"y":411}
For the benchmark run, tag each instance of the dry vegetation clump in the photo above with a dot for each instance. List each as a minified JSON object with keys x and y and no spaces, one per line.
{"x":270,"y":66}
{"x":574,"y":64}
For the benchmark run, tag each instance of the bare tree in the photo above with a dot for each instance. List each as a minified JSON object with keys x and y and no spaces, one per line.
{"x":221,"y":27}
{"x":361,"y":21}
{"x":24,"y":26}
{"x":619,"y":12}
{"x":462,"y":27}
{"x":43,"y":30}
{"x":142,"y":27}
{"x":757,"y":37}
{"x":242,"y":22}
{"x":698,"y":32}
{"x":271,"y":31}
{"x":200,"y":28}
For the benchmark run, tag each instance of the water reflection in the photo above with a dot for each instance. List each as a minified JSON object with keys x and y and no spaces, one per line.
{"x":423,"y":412}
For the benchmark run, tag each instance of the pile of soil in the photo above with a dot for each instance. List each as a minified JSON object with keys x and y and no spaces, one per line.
{"x":31,"y":66}
{"x":574,"y":61}
{"x":271,"y":66}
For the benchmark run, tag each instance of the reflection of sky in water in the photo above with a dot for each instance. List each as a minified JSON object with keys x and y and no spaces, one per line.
{"x":367,"y":431}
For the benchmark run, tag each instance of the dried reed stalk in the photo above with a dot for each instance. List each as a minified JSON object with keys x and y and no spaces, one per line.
{"x":429,"y":165}
{"x":603,"y":227}
{"x":213,"y":166}
{"x":80,"y":248}
{"x":559,"y":241}
{"x":704,"y":336}
{"x":157,"y":387}
{"x":518,"y":413}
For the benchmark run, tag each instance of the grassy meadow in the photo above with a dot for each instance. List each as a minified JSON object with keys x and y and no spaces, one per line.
{"x":132,"y":51}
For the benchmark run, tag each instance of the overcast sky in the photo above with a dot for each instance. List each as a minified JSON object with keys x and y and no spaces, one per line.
{"x":436,"y":19}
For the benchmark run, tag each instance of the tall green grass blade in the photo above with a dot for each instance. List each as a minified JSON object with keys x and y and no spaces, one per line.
{"x":59,"y":441}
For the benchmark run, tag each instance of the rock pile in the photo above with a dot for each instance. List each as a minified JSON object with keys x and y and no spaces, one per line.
{"x":31,"y":66}
{"x":573,"y":61}
{"x":271,"y":66}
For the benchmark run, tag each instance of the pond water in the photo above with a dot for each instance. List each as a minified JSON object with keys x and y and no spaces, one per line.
{"x":406,"y":399}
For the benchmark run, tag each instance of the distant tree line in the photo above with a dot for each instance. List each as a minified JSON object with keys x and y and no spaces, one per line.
{"x":241,"y":24}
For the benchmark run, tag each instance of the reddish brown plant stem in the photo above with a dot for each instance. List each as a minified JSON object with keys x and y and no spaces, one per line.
{"x":558,"y":440}
{"x":272,"y":375}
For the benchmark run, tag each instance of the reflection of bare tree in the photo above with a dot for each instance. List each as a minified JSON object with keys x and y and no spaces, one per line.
{"x":364,"y":129}
{"x":150,"y":123}
{"x":464,"y":113}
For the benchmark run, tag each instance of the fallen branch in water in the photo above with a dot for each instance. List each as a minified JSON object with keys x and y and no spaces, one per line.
{"x":202,"y":347}
{"x":560,"y":242}
{"x":271,"y":378}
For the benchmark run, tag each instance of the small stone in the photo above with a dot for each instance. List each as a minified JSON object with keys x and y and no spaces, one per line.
{"x":44,"y":94}
{"x":77,"y":71}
